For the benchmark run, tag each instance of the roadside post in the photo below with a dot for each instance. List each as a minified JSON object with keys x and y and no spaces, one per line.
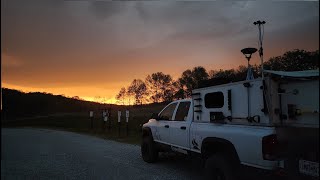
{"x":104,"y":118}
{"x":109,"y":118}
{"x":119,"y":122}
{"x":91,"y":118}
{"x":127,"y":121}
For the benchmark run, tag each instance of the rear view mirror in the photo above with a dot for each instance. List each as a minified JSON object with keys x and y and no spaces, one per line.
{"x":154,"y":116}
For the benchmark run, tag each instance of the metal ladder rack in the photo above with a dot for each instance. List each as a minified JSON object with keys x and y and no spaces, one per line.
{"x":197,"y":107}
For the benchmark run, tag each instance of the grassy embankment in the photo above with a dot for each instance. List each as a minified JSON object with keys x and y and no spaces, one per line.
{"x":80,"y":123}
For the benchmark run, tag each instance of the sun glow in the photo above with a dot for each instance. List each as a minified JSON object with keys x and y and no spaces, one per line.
{"x":100,"y":100}
{"x":107,"y":99}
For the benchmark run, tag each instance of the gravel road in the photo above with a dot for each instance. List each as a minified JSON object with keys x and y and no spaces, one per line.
{"x":29,"y":153}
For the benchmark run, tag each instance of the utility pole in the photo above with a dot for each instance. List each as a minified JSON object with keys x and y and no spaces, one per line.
{"x":261,"y":33}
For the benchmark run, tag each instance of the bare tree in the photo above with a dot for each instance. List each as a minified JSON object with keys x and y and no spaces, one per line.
{"x":190,"y":79}
{"x":139,"y":89}
{"x":212,"y":73}
{"x":160,"y":86}
{"x":129,"y":96}
{"x":296,"y":60}
{"x":179,"y":92}
{"x":121,"y":95}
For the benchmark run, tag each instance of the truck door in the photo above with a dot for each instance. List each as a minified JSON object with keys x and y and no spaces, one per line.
{"x":164,"y":123}
{"x":180,"y":126}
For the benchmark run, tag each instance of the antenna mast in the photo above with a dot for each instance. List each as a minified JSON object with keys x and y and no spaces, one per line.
{"x":261,"y":33}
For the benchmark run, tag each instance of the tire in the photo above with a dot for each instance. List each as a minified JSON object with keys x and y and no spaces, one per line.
{"x":148,"y":150}
{"x":219,"y":167}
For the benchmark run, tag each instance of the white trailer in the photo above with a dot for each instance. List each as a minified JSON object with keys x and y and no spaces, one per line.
{"x":234,"y":103}
{"x":283,"y":98}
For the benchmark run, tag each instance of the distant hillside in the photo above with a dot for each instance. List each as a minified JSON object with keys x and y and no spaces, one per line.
{"x":17,"y":104}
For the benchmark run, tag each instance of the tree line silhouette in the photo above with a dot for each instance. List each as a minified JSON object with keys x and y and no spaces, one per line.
{"x":160,"y":87}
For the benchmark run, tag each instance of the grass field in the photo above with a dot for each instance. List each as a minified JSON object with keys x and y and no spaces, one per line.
{"x":81,"y":123}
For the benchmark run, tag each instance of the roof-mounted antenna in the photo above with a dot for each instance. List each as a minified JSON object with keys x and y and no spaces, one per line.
{"x":247,"y":53}
{"x":261,"y":33}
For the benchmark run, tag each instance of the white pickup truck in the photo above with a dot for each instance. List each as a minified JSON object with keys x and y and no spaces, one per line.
{"x":236,"y":125}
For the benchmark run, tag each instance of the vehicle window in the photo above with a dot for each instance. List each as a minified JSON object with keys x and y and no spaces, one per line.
{"x":214,"y":100}
{"x":182,"y":111}
{"x":167,"y":113}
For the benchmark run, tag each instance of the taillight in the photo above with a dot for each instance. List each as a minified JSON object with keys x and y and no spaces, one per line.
{"x":270,"y":147}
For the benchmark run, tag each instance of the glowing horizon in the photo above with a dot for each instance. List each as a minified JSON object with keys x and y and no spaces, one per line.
{"x":99,"y":99}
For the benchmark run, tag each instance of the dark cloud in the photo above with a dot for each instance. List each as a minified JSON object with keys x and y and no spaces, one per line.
{"x":105,"y":9}
{"x":302,"y":35}
{"x":35,"y":25}
{"x":112,"y":41}
{"x":50,"y":32}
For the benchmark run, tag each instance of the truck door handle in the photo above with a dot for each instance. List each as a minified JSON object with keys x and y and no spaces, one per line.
{"x":166,"y":126}
{"x":183,"y":127}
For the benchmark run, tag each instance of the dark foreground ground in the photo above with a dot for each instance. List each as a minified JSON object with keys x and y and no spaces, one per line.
{"x":35,"y":153}
{"x":30,"y":153}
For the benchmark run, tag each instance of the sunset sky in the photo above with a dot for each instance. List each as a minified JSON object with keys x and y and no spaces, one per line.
{"x":93,"y":48}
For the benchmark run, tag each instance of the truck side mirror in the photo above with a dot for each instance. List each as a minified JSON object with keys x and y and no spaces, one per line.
{"x":155,"y":116}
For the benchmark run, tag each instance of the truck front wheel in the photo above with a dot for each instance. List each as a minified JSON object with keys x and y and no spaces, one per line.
{"x":219,"y":167}
{"x":148,"y":150}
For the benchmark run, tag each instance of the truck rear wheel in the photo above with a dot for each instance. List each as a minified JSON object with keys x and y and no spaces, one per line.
{"x":219,"y":167}
{"x":148,"y":150}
